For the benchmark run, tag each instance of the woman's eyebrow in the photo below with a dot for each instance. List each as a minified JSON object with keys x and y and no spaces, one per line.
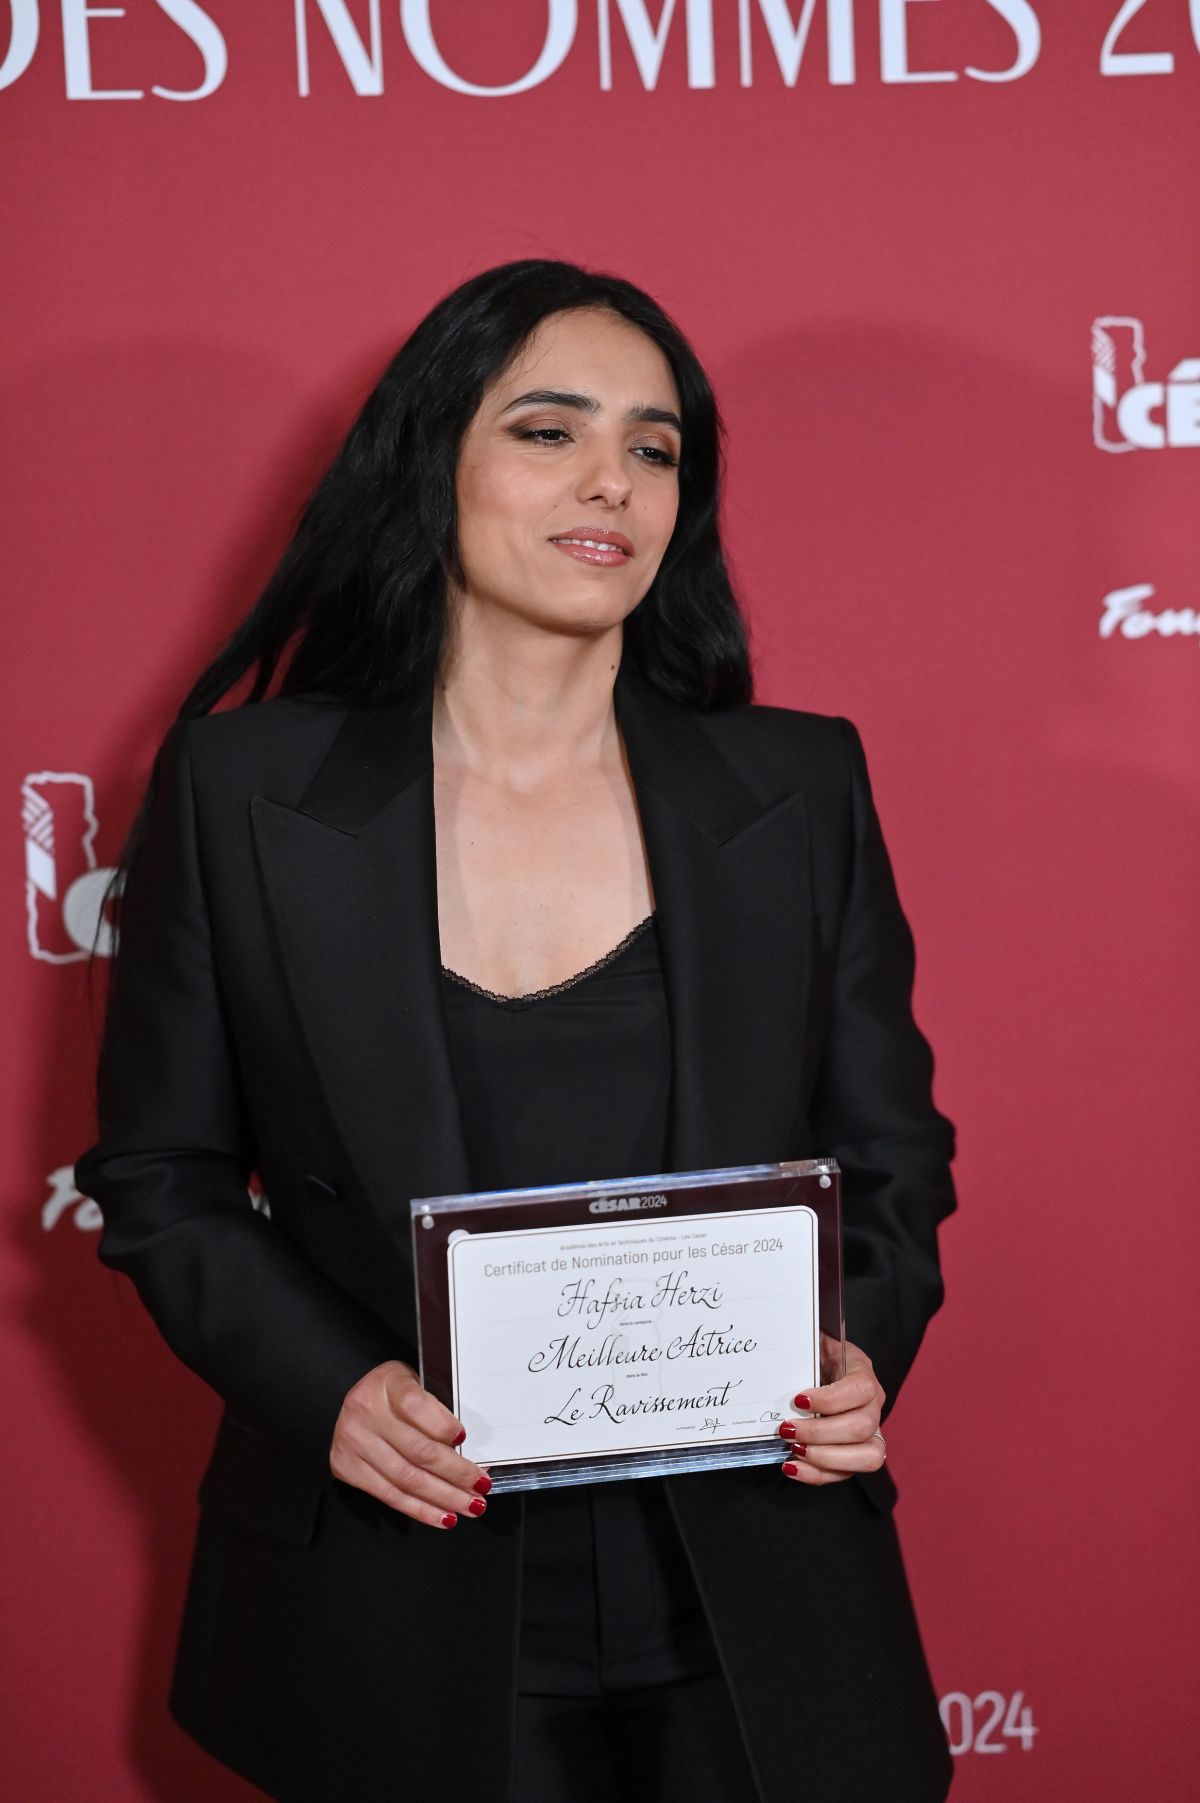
{"x":587,"y":403}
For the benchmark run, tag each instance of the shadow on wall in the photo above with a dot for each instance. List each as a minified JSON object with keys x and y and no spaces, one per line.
{"x":924,"y":534}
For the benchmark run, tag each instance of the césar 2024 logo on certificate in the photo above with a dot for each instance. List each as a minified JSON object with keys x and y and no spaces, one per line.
{"x":662,"y":1331}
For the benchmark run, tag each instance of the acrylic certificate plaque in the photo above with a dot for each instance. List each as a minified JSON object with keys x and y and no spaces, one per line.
{"x":630,"y":1328}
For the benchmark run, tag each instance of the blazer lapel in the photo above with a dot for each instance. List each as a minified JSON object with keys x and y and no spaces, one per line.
{"x":732,"y":886}
{"x":350,"y":878}
{"x":351,"y":882}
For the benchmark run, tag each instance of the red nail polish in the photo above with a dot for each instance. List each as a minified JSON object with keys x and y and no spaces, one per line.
{"x":449,"y":1521}
{"x":459,"y":1437}
{"x":800,"y":1451}
{"x":788,"y":1429}
{"x":790,"y":1470}
{"x":477,"y":1507}
{"x":483,"y":1484}
{"x":802,"y":1402}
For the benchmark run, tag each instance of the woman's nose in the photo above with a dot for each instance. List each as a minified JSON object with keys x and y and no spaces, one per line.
{"x":605,"y":478}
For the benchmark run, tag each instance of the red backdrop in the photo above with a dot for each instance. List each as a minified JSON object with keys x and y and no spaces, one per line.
{"x":958,"y":511}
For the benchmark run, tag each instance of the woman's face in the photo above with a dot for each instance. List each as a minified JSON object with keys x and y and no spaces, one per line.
{"x":580,"y":438}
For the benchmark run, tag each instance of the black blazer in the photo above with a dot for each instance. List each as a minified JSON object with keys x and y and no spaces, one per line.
{"x":278,"y":1008}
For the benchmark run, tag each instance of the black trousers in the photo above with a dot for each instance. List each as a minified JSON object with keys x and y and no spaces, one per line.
{"x":666,"y":1743}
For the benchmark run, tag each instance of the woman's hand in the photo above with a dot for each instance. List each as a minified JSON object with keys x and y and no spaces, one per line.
{"x":395,"y":1441}
{"x":844,"y":1437}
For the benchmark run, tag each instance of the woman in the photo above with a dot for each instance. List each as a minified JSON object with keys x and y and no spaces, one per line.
{"x":510,"y":883}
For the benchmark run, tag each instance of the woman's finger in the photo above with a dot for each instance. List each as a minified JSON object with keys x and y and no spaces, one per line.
{"x":424,"y":1486}
{"x":830,"y":1464}
{"x":799,"y":1471}
{"x":369,"y":1426}
{"x":443,"y":1462}
{"x":388,"y":1401}
{"x":364,"y":1477}
{"x":857,"y":1424}
{"x":410,"y":1401}
{"x":864,"y":1455}
{"x":857,"y":1390}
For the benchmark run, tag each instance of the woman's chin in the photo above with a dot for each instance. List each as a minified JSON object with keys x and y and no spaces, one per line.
{"x":576,"y":616}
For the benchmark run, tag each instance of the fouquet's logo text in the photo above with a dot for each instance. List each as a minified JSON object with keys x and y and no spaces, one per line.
{"x":1125,"y":613}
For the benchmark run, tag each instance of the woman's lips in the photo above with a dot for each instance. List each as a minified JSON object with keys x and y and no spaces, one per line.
{"x":596,"y":551}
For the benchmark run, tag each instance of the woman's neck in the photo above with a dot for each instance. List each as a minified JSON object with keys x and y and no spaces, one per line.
{"x":527,"y":708}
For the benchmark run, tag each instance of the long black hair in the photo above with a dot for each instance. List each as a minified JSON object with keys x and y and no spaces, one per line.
{"x":359,"y":596}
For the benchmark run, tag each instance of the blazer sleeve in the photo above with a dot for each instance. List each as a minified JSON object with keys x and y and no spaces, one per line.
{"x":872,"y":1108}
{"x":231,"y":1294}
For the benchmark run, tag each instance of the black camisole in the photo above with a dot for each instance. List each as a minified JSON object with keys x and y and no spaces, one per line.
{"x":568,"y":1083}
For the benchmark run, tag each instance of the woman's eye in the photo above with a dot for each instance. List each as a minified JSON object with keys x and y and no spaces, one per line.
{"x":659,"y":455}
{"x":543,"y":433}
{"x":556,"y":435}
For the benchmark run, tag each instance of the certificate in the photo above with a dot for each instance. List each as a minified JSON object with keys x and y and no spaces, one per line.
{"x":618,"y":1329}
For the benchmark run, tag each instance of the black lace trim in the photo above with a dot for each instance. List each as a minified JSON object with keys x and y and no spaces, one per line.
{"x":533,"y":995}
